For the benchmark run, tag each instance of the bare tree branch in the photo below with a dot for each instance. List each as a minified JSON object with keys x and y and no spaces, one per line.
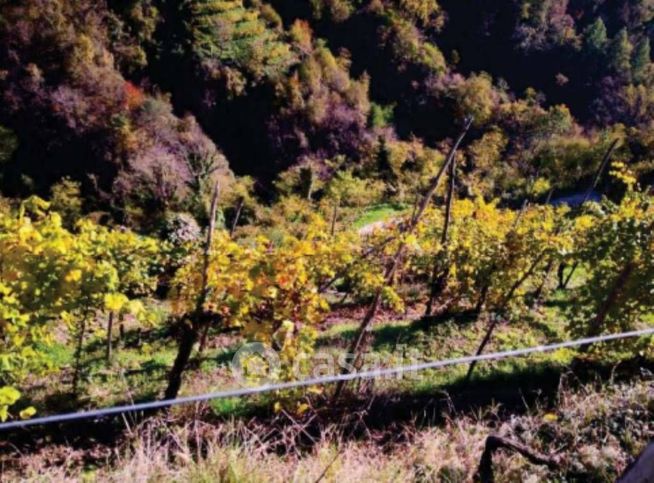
{"x":495,"y":442}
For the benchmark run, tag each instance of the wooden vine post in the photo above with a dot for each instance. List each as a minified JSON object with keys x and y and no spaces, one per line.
{"x":439,"y":275}
{"x":358,"y":343}
{"x":589,"y":193}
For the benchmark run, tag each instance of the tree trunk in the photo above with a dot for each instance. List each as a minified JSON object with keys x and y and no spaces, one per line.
{"x":186,"y":343}
{"x":484,"y":342}
{"x":416,"y":205}
{"x":483,"y":296}
{"x":567,"y":280}
{"x":190,"y":332}
{"x":204,"y":339}
{"x":600,"y":170}
{"x":109,"y":346}
{"x":78,"y":354}
{"x":538,"y":294}
{"x":561,"y":275}
{"x":438,"y":286}
{"x":334,"y":216}
{"x":121,"y":330}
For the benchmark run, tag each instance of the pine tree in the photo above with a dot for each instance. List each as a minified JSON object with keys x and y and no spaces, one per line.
{"x":596,"y":37}
{"x":642,"y":60}
{"x":227,"y":34}
{"x":620,"y":54}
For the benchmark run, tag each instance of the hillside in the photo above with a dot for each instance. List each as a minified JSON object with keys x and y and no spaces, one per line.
{"x":202,"y":195}
{"x":121,"y":95}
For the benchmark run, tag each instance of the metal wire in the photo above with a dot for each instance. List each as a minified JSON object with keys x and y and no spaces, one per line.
{"x":248,"y":391}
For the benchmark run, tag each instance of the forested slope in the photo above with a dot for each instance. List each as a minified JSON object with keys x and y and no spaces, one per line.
{"x":144,"y":100}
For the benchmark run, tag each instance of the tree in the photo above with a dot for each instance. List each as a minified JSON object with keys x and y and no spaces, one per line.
{"x":268,"y":291}
{"x":393,"y":266}
{"x":596,"y":38}
{"x":232,"y":42}
{"x":620,"y":54}
{"x":425,"y":11}
{"x":323,"y":111}
{"x":476,"y":97}
{"x":194,"y":319}
{"x":442,"y":265}
{"x":62,"y":90}
{"x":408,"y":45}
{"x":545,"y":24}
{"x":641,"y":63}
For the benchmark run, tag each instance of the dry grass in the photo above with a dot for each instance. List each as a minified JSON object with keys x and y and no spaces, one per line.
{"x":596,"y":431}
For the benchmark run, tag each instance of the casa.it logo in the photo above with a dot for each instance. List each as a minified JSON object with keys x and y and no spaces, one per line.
{"x":255,"y":363}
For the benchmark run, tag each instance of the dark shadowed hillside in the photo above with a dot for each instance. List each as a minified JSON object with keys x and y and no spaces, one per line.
{"x":88,"y":89}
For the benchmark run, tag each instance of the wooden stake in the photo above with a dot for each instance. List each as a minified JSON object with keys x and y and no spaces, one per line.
{"x":357,"y":343}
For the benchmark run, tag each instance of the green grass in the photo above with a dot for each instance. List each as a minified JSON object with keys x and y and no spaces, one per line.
{"x":232,"y":407}
{"x":58,"y":354}
{"x":141,"y":363}
{"x":381,"y":212}
{"x":406,"y":342}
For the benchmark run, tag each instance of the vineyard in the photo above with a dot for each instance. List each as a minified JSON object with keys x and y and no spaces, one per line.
{"x":330,"y":240}
{"x":86,"y":325}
